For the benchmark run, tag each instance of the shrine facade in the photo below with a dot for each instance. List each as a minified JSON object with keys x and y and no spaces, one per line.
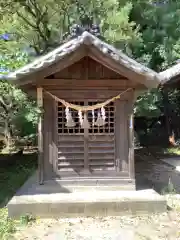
{"x":87,"y":90}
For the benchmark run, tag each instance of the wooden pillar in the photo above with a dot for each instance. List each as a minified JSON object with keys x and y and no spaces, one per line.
{"x":86,"y":158}
{"x":121,"y":134}
{"x":131,"y":145}
{"x":55,"y":136}
{"x":40,"y":136}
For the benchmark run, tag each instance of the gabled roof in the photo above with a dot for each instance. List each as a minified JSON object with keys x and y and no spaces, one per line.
{"x":110,"y":56}
{"x":170,"y":75}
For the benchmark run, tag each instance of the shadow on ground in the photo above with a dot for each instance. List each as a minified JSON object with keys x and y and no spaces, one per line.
{"x":15,"y":169}
{"x":152,"y":172}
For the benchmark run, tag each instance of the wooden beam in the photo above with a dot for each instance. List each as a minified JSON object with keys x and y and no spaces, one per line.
{"x":90,"y":95}
{"x":80,"y":81}
{"x":86,"y":84}
{"x":40,"y":136}
{"x":131,"y":146}
{"x":86,"y":157}
{"x":54,"y":128}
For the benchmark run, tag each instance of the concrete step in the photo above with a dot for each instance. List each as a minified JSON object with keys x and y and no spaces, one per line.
{"x":86,"y":203}
{"x":62,"y":186}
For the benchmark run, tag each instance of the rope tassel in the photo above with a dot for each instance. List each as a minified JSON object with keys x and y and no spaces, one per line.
{"x":93,"y":118}
{"x":69,"y":120}
{"x":83,"y":120}
{"x":80,"y":118}
{"x":85,"y":123}
{"x":99,"y":122}
{"x":101,"y":119}
{"x":103,"y":113}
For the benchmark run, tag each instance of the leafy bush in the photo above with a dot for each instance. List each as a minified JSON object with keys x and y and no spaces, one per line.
{"x":7,"y":225}
{"x":18,"y":113}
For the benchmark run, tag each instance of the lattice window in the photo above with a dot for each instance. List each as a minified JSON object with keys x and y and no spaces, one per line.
{"x":107,"y":128}
{"x":62,"y":120}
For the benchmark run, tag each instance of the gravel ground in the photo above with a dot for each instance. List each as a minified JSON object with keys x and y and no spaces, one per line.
{"x":151,"y":227}
{"x":164,"y":226}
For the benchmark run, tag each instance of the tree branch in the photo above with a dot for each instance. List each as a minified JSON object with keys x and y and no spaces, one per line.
{"x":26,"y":21}
{"x":3,"y":105}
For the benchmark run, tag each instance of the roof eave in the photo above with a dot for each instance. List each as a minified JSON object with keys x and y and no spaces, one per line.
{"x":150,"y":78}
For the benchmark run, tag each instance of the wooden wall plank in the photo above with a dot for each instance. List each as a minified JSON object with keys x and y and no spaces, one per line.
{"x":48,"y":148}
{"x":130,"y":115}
{"x":87,"y":68}
{"x":40,"y":136}
{"x":131,"y":146}
{"x":121,"y":135}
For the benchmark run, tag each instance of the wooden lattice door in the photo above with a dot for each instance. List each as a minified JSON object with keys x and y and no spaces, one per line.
{"x":86,"y":150}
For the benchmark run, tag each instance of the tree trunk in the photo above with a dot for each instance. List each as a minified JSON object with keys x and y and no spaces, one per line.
{"x":8,"y":135}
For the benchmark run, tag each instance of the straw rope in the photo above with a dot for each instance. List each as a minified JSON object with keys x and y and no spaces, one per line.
{"x":86,"y":108}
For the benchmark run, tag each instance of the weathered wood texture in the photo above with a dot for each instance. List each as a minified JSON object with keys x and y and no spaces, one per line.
{"x":130,"y":124}
{"x":95,"y":152}
{"x":40,"y":136}
{"x":48,"y":137}
{"x":84,"y":75}
{"x":131,"y":146}
{"x":121,"y":136}
{"x":85,"y":69}
{"x":86,"y":72}
{"x":86,"y":150}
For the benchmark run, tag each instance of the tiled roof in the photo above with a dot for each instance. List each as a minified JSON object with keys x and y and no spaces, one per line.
{"x":172,"y":73}
{"x":151,"y":77}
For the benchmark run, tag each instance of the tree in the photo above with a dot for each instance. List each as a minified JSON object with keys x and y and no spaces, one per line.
{"x":16,"y":110}
{"x":42,"y":26}
{"x":159,"y":25}
{"x":142,"y":29}
{"x":160,"y":48}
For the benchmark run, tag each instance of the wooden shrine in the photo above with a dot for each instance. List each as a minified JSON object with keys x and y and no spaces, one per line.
{"x":86,"y":71}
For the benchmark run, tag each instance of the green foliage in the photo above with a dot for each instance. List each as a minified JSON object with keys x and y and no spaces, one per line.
{"x":117,"y":28}
{"x":159,"y":24}
{"x":23,"y":167}
{"x":148,"y":104}
{"x":26,"y":219}
{"x":146,"y":30}
{"x":17,"y":113}
{"x":169,"y":189}
{"x":44,"y":25}
{"x":173,"y":151}
{"x":7,"y":225}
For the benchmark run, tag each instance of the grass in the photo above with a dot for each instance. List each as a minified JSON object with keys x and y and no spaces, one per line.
{"x":161,"y":152}
{"x":7,"y":225}
{"x":173,"y":151}
{"x":11,"y":179}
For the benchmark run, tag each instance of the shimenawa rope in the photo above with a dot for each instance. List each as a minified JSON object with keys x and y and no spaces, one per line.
{"x":86,"y":108}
